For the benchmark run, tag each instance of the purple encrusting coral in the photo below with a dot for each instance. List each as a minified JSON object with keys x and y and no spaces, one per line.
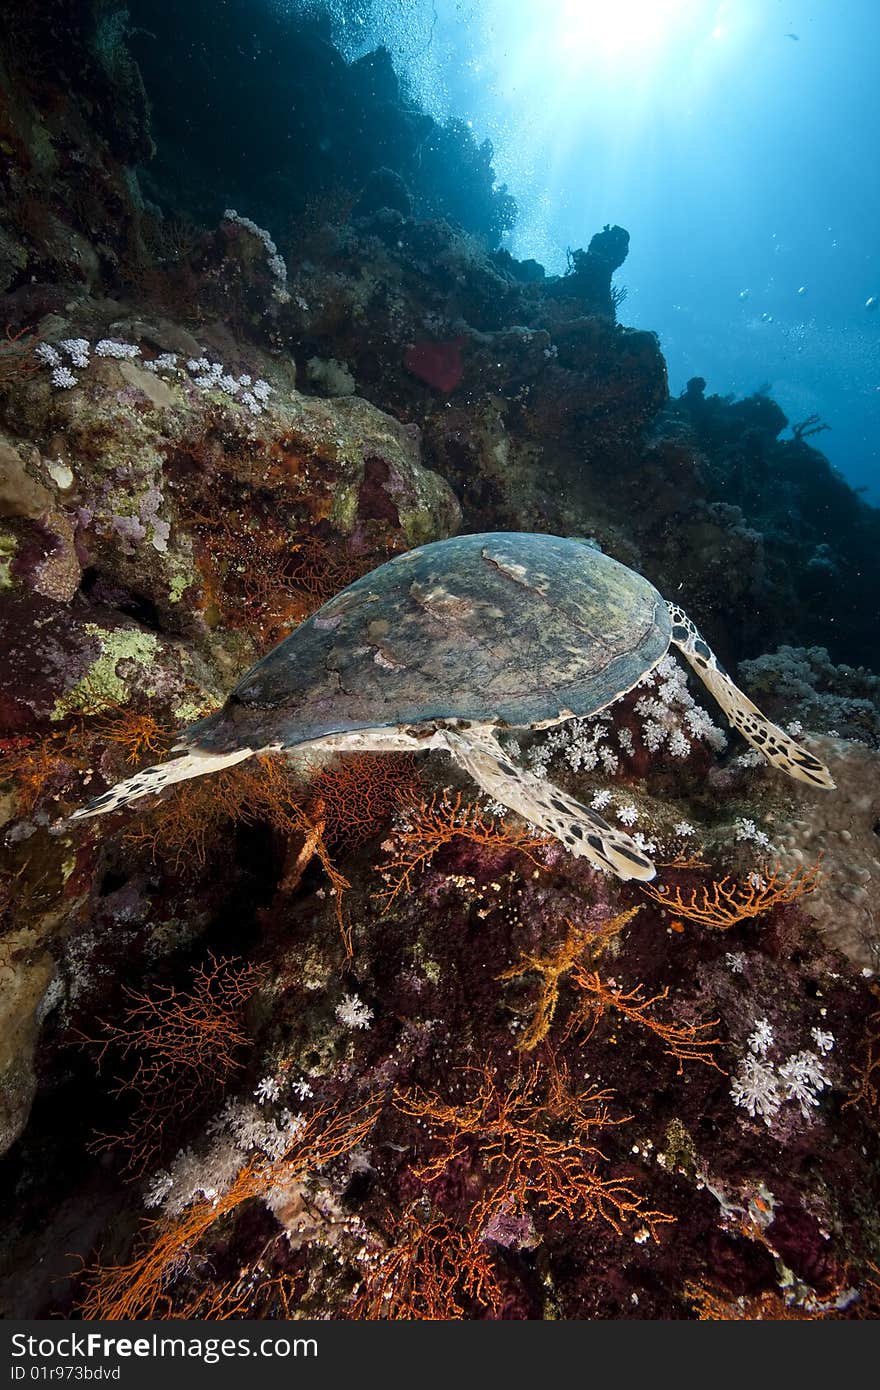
{"x":460,"y":1074}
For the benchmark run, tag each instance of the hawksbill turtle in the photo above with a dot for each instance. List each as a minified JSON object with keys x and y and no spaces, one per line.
{"x":445,"y":645}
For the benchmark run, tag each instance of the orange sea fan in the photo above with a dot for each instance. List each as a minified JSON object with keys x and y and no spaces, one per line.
{"x":866,"y":1074}
{"x":152,"y":1283}
{"x":534,"y":1140}
{"x":191,"y":820}
{"x":17,"y":360}
{"x":137,"y":734}
{"x":431,"y":1271}
{"x":426,"y":826}
{"x":723,"y":904}
{"x":360,"y":792}
{"x":580,"y":940}
{"x":184,"y":1044}
{"x":716,"y":1305}
{"x":44,"y":764}
{"x":686,"y":1042}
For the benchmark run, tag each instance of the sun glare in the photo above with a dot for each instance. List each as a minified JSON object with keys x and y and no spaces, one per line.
{"x":601,"y":28}
{"x":589,"y":29}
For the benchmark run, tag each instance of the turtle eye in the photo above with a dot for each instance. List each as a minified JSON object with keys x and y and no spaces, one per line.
{"x":245,"y":697}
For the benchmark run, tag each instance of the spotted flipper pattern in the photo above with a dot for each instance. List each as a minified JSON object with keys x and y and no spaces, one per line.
{"x":579,"y":829}
{"x":194,"y":763}
{"x":776,"y":745}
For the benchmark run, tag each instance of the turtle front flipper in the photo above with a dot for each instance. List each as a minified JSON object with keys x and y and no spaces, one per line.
{"x":197,"y":762}
{"x":776,"y":745}
{"x":579,"y":829}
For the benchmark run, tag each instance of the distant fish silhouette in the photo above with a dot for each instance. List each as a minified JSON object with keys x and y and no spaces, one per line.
{"x":793,"y":36}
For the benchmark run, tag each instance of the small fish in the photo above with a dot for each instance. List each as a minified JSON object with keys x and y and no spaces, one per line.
{"x":796,"y":37}
{"x":743,"y":294}
{"x":872,"y":303}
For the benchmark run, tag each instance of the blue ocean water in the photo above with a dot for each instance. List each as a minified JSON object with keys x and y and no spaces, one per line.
{"x":736,"y":140}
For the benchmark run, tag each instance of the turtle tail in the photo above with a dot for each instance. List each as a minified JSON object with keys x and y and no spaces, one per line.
{"x":775,"y":744}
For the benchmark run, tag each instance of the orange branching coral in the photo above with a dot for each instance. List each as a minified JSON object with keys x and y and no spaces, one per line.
{"x":171,"y":239}
{"x":30,"y":764}
{"x":186,"y":825}
{"x":723,"y":904}
{"x":93,"y":720}
{"x":245,"y":564}
{"x":433,"y":1271}
{"x":17,"y":355}
{"x":868,"y":1305}
{"x":257,"y":572}
{"x":42,"y":766}
{"x":322,"y":572}
{"x":184,"y":1046}
{"x":866,"y":1088}
{"x":262,"y":789}
{"x":152,"y":1284}
{"x":686,"y":1042}
{"x":257,"y":1293}
{"x":717,"y":1305}
{"x":359,"y":793}
{"x":137,"y":735}
{"x":534,"y":1142}
{"x":426,"y":826}
{"x":579,"y":941}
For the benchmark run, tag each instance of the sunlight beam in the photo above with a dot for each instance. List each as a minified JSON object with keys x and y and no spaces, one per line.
{"x":588,"y":29}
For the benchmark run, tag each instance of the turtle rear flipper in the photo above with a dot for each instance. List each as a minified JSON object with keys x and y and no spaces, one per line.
{"x":580,"y":829}
{"x":775,"y":744}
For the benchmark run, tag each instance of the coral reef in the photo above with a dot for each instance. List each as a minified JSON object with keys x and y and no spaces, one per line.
{"x":846,"y":834}
{"x":840,"y":700}
{"x":369,"y":1047}
{"x":818,"y":537}
{"x":318,"y":128}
